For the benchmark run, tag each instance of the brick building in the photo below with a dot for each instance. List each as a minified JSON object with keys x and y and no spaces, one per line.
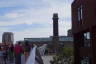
{"x":84,"y":31}
{"x":55,"y":39}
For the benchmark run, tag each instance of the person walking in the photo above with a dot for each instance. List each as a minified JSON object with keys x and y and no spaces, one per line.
{"x":11,"y":53}
{"x":1,"y":56}
{"x":27,"y":49}
{"x":23,"y":59}
{"x":18,"y":52}
{"x":5,"y":53}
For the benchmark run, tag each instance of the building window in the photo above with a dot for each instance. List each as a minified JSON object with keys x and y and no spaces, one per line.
{"x":80,"y":13}
{"x":87,"y":39}
{"x":85,"y":60}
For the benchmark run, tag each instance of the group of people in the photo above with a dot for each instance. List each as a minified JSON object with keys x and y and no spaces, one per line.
{"x":6,"y":53}
{"x":17,"y":53}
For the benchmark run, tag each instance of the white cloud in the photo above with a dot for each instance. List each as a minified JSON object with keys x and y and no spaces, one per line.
{"x":42,"y":32}
{"x":35,"y":16}
{"x":42,"y":16}
{"x":12,"y":15}
{"x":4,"y":29}
{"x":37,"y":32}
{"x":12,"y":23}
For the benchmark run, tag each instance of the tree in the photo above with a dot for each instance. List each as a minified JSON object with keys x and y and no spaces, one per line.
{"x":65,"y":54}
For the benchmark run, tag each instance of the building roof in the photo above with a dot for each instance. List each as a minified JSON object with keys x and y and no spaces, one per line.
{"x":61,"y":38}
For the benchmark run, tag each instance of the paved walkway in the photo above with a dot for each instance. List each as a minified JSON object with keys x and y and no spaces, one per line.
{"x":7,"y":62}
{"x":47,"y":59}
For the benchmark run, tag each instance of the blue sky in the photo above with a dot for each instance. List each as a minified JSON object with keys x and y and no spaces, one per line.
{"x":33,"y":18}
